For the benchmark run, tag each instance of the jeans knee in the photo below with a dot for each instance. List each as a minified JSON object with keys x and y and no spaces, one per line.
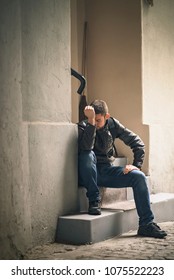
{"x":139,"y":177}
{"x":87,"y":159}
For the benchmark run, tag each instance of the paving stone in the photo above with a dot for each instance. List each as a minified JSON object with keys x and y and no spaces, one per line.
{"x":125,"y":247}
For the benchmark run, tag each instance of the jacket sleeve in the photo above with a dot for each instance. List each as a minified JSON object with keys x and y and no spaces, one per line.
{"x":86,"y":136}
{"x":133,"y":141}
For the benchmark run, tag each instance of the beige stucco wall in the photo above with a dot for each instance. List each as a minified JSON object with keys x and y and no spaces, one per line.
{"x":158,"y":90}
{"x":38,"y":142}
{"x":114,"y":61}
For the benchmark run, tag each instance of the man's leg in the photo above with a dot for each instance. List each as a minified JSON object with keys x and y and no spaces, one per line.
{"x":87,"y":173}
{"x":112,"y":176}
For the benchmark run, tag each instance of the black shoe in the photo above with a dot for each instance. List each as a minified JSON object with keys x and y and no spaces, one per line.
{"x":94,"y":208}
{"x":151,"y":230}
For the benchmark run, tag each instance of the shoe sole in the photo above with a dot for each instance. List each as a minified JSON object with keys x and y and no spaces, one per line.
{"x":94,"y":213}
{"x":159,"y":236}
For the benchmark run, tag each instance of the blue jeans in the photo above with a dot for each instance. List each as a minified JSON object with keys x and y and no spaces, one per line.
{"x":93,"y":175}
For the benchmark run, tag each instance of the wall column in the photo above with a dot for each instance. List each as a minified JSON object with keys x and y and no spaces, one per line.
{"x":38,"y":151}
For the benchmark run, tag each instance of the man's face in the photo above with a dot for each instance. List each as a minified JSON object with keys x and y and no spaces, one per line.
{"x":100,"y":120}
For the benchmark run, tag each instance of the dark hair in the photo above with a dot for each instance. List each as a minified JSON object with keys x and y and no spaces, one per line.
{"x":100,"y":107}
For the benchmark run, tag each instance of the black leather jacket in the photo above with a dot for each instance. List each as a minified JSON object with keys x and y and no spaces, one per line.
{"x":101,"y":141}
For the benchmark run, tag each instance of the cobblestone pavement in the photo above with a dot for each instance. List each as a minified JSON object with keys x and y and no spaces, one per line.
{"x":125,"y":247}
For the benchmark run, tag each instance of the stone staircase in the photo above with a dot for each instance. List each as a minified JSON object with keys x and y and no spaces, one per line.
{"x":118,"y":215}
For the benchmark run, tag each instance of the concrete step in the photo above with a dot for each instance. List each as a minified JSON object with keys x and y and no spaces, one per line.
{"x":122,"y":217}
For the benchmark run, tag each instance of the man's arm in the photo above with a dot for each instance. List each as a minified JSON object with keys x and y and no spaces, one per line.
{"x":87,"y":130}
{"x":133,"y":141}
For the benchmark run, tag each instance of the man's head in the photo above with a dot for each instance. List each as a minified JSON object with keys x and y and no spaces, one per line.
{"x":101,"y":112}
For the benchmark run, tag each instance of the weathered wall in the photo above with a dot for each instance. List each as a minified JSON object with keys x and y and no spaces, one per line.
{"x":158,"y":90}
{"x":78,"y":18}
{"x":38,"y":150}
{"x":15,"y":219}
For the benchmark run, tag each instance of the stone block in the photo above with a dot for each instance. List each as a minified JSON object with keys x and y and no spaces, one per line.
{"x":85,"y":229}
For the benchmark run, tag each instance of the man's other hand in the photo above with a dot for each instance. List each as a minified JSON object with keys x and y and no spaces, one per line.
{"x":129,"y":167}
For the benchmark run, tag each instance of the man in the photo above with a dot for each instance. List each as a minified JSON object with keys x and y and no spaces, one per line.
{"x":96,"y":154}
